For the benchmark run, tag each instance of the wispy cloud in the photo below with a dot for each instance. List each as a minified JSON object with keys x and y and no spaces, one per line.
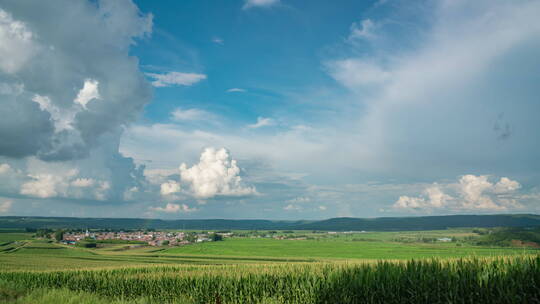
{"x":239,"y":90}
{"x":259,"y":3}
{"x":262,"y":122}
{"x":190,"y":114}
{"x":175,"y":78}
{"x":406,"y":89}
{"x":292,"y":207}
{"x":218,"y":40}
{"x":5,"y":206}
{"x":364,"y":30}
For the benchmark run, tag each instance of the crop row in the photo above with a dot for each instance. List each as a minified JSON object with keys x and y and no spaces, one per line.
{"x":509,"y":280}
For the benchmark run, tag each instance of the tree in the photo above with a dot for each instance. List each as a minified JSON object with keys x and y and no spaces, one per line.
{"x":59,"y":235}
{"x":43,"y":233}
{"x":191,"y":237}
{"x":216,"y":237}
{"x":165,"y":243}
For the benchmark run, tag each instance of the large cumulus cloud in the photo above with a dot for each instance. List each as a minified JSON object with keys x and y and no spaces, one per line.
{"x":216,"y":175}
{"x":68,"y":86}
{"x":66,"y":75}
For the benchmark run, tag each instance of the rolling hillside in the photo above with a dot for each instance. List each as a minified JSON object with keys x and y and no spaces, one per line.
{"x":334,"y":224}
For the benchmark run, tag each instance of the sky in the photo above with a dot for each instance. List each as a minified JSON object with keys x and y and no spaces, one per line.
{"x":269,"y":109}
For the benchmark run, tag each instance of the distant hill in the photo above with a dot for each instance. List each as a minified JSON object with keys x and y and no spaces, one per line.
{"x":334,"y":224}
{"x":423,"y":222}
{"x":134,"y":223}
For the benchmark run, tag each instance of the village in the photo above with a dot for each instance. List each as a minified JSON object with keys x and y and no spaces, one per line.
{"x":152,"y":238}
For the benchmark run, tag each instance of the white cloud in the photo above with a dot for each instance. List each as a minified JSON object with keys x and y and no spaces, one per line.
{"x":436,"y":197}
{"x":471,"y":192}
{"x":130,"y":194}
{"x":47,"y":185}
{"x":16,"y":43}
{"x":62,"y":118}
{"x":100,"y":193}
{"x":362,"y":31}
{"x":60,"y":71}
{"x":506,"y":185}
{"x":407,"y":202}
{"x":216,"y":174}
{"x":433,"y":197}
{"x":5,"y":206}
{"x":83,"y":182}
{"x":447,"y":71}
{"x":259,"y":3}
{"x":463,"y":34}
{"x":61,"y":180}
{"x":43,"y":186}
{"x":159,"y":176}
{"x":88,"y":92}
{"x":292,"y":207}
{"x":262,"y":122}
{"x":300,"y":199}
{"x":322,"y":208}
{"x":356,"y":73}
{"x":218,"y":40}
{"x":169,"y":187}
{"x":11,"y":89}
{"x":473,"y":188}
{"x":190,"y":114}
{"x":5,"y":168}
{"x":287,"y":150}
{"x":175,"y":78}
{"x":239,"y":90}
{"x":174,"y":208}
{"x":48,"y":78}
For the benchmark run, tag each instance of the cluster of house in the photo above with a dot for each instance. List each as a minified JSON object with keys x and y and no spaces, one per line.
{"x":284,"y":237}
{"x":152,"y":238}
{"x":345,"y":232}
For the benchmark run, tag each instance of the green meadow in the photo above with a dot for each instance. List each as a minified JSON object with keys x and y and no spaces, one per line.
{"x":19,"y":251}
{"x":339,"y":249}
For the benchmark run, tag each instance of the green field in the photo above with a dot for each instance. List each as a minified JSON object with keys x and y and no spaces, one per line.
{"x":20,"y":252}
{"x":337,"y":249}
{"x":261,"y":269}
{"x":10,"y":236}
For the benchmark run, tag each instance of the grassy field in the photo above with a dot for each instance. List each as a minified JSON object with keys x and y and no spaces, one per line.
{"x":18,"y":251}
{"x":347,"y":268}
{"x":338,"y":249}
{"x":14,"y":236}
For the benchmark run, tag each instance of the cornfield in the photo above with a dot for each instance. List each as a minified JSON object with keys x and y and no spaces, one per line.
{"x":500,"y":280}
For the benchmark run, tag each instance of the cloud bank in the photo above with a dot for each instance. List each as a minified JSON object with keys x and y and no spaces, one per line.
{"x":174,"y":208}
{"x":470,"y":193}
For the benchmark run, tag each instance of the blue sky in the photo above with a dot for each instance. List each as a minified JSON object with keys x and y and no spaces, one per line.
{"x":248,"y":49}
{"x":278,"y":109}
